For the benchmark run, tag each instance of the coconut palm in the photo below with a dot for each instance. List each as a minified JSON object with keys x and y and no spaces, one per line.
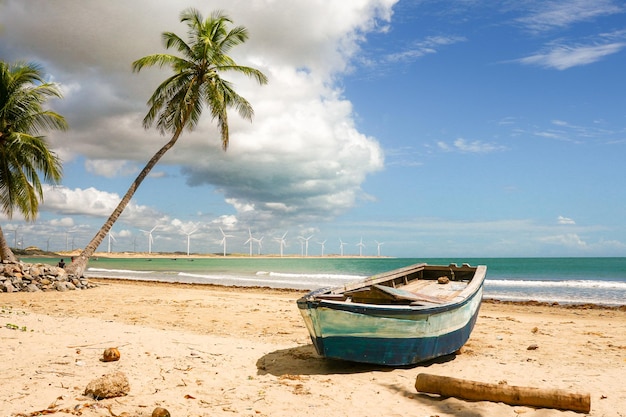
{"x":177,"y":102}
{"x":24,"y":153}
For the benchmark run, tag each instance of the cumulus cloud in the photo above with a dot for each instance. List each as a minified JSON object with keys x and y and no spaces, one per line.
{"x":91,"y":202}
{"x":301,"y":155}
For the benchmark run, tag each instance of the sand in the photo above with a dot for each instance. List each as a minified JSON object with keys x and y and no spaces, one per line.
{"x":218,"y":351}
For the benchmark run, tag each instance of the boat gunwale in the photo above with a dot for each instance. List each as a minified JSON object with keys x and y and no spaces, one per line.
{"x":309,"y":301}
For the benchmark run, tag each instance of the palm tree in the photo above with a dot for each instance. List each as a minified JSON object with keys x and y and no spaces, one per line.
{"x":24,"y":153}
{"x":178,"y":101}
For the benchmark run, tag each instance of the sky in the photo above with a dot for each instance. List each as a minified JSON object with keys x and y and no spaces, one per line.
{"x":417,"y":128}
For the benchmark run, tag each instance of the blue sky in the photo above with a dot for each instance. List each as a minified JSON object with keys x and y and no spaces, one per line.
{"x":441,"y":128}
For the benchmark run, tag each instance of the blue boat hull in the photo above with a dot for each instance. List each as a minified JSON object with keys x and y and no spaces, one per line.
{"x":389,"y":335}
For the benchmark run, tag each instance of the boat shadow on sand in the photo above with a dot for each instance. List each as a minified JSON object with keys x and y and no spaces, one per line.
{"x":304,"y":360}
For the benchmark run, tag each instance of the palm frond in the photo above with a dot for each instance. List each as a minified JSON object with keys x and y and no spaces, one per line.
{"x":177,"y":103}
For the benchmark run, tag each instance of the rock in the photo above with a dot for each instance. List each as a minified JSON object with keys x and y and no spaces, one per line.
{"x":111,"y":355}
{"x":160,"y":412}
{"x":108,"y":386}
{"x":18,"y":276}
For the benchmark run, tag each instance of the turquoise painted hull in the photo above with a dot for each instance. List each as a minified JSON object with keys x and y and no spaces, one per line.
{"x":393,"y":335}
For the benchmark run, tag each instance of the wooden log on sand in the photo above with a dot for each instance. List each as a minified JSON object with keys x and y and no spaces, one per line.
{"x":508,"y":394}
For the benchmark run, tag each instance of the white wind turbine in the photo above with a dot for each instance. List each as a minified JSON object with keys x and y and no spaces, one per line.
{"x":223,"y":241}
{"x":379,"y":245}
{"x":260,"y":243}
{"x":111,"y":237}
{"x":281,"y":242}
{"x":189,"y":237}
{"x":250,"y":240}
{"x":305,"y":240}
{"x":341,"y":245}
{"x":150,"y":238}
{"x":322,"y":243}
{"x":361,"y":245}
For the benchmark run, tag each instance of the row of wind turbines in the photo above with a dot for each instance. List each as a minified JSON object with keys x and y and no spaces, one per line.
{"x":282,"y":242}
{"x":251,"y":241}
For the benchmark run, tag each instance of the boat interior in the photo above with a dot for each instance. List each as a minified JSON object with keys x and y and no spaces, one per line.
{"x":416,"y":285}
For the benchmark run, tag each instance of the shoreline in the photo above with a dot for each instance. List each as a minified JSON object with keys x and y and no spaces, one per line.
{"x":298,"y":292}
{"x":200,"y":350}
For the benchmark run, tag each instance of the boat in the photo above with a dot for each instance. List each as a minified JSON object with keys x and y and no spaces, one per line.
{"x":402,"y":317}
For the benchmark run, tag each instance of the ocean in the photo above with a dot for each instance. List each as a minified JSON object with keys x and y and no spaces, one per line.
{"x":563,"y":280}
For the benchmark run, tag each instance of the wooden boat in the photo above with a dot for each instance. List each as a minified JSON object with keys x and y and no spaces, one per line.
{"x":402,"y":317}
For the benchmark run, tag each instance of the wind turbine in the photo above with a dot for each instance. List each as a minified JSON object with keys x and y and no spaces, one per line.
{"x":188,"y":237}
{"x":305,"y":240}
{"x":223,"y":241}
{"x":341,"y":245}
{"x":259,"y":242}
{"x":67,"y":237}
{"x":250,"y":240}
{"x":361,"y":245}
{"x":379,"y":245}
{"x":281,"y":242}
{"x":322,"y":243}
{"x":150,"y":238}
{"x":111,"y":237}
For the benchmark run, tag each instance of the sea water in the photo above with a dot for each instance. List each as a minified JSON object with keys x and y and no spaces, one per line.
{"x":562,"y":280}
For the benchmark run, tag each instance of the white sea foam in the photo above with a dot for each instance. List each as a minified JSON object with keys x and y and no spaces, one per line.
{"x":230,"y":279}
{"x":556,"y":284}
{"x":119,"y":271}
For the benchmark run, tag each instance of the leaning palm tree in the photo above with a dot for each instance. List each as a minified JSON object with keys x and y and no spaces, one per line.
{"x":178,"y":101}
{"x":24,"y":153}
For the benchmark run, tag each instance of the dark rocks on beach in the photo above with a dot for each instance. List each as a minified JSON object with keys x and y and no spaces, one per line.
{"x":19,"y":276}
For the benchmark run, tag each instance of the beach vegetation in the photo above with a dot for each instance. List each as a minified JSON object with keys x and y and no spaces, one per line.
{"x":25,"y":156}
{"x":177,"y":103}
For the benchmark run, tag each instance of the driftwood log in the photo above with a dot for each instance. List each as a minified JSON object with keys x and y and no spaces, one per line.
{"x":508,"y":394}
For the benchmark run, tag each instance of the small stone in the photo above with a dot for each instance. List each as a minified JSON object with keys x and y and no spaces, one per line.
{"x":108,"y":386}
{"x":111,"y":355}
{"x":532,"y":347}
{"x":160,"y":412}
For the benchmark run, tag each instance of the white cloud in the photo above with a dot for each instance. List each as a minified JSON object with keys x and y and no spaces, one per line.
{"x":563,"y":57}
{"x":65,"y":222}
{"x":302,"y":153}
{"x":553,"y":14}
{"x":568,"y":240}
{"x":477,"y":146}
{"x":91,"y":202}
{"x":420,"y":48}
{"x":565,"y":220}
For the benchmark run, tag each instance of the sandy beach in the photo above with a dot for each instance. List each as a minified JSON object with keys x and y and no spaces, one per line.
{"x":221,"y":351}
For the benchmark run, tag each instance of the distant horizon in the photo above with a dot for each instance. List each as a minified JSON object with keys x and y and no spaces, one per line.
{"x":129,"y":254}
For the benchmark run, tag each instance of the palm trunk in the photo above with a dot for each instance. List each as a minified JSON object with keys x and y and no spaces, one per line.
{"x":5,"y":251}
{"x":78,"y":265}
